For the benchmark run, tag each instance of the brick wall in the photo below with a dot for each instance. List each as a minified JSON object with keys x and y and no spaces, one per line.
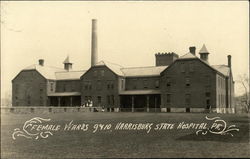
{"x":100,"y":82}
{"x":175,"y":89}
{"x":68,"y":86}
{"x":140,"y":83}
{"x":29,"y":88}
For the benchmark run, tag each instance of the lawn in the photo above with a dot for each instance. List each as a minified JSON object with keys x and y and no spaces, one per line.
{"x":114,"y":143}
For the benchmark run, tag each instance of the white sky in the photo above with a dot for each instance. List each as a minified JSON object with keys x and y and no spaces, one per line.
{"x":129,"y":33}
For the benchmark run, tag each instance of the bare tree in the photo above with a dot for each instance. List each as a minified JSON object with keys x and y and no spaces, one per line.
{"x":244,"y":81}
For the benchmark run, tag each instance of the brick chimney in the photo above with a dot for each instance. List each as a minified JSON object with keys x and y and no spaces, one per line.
{"x":192,"y":49}
{"x":229,"y":60}
{"x":41,"y":62}
{"x":94,"y":51}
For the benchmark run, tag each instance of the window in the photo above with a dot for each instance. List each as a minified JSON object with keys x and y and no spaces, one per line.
{"x":86,"y":85}
{"x":207,"y":88}
{"x":112,"y":99}
{"x":122,"y":86}
{"x":207,"y":94}
{"x":134,"y":81}
{"x":102,"y":73}
{"x":145,"y":83}
{"x":108,"y":100}
{"x":182,"y":67}
{"x":188,"y":99}
{"x":41,"y":87}
{"x":111,"y":84}
{"x":64,"y":87}
{"x":208,"y":79}
{"x":219,"y":98}
{"x":90,"y":85}
{"x":168,"y":98}
{"x":168,"y":82}
{"x":98,"y":87}
{"x":191,"y":67}
{"x":99,"y":100}
{"x":72,"y":86}
{"x":16,"y":98}
{"x":108,"y":85}
{"x":51,"y":87}
{"x":157,"y":84}
{"x":187,"y":82}
{"x":208,"y":103}
{"x":95,"y":73}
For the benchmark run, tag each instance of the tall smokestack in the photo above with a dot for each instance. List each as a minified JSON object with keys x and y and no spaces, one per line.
{"x":229,"y":60}
{"x":94,"y":51}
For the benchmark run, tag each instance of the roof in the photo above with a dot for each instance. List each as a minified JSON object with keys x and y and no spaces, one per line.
{"x":46,"y":71}
{"x":133,"y":71}
{"x":203,"y":49}
{"x":65,"y":94}
{"x":135,"y":92}
{"x":143,"y":71}
{"x":69,"y":75}
{"x":188,"y":56}
{"x":54,"y":73}
{"x":224,"y":69}
{"x":114,"y":67}
{"x":66,"y":60}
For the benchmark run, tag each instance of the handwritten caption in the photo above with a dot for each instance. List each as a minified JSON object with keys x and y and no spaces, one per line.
{"x":38,"y":127}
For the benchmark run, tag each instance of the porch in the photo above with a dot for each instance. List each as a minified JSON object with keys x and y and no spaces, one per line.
{"x":65,"y":99}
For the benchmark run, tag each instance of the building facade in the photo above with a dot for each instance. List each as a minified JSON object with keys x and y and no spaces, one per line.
{"x":173,"y":84}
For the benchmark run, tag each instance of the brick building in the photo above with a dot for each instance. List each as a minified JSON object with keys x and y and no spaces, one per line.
{"x":173,"y":84}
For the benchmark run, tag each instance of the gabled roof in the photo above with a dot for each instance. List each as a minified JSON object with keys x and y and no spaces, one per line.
{"x":69,"y":75}
{"x":203,"y":49}
{"x":133,"y":71}
{"x":143,"y":71}
{"x":54,"y":73}
{"x":114,"y":67}
{"x":224,"y":69}
{"x":46,"y":71}
{"x":188,"y":56}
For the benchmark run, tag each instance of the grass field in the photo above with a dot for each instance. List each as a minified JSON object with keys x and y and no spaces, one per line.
{"x":125,"y":143}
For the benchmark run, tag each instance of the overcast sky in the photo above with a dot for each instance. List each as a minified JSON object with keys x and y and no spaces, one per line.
{"x":129,"y":33}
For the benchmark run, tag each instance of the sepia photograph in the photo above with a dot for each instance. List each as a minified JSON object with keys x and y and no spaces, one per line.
{"x":125,"y":79}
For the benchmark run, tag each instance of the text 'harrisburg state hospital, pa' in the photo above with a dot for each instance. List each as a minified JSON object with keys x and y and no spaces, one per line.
{"x":174,"y":83}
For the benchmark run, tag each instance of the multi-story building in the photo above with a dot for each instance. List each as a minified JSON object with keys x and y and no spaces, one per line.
{"x":174,"y":83}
